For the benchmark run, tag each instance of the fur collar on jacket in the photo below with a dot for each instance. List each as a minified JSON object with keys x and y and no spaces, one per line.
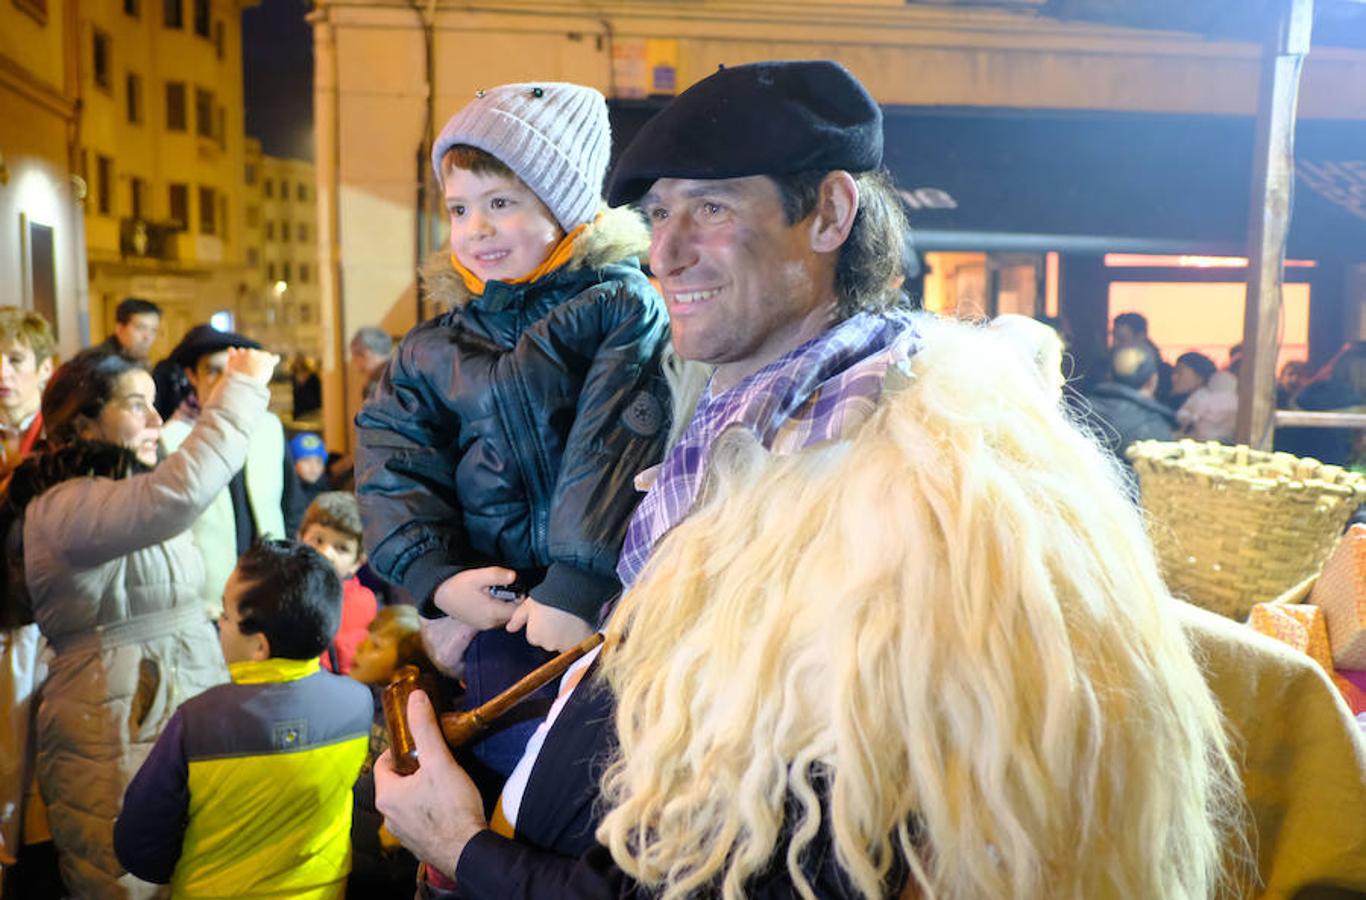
{"x":619,"y":234}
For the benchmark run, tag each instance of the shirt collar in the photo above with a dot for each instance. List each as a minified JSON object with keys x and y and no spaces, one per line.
{"x":267,"y":671}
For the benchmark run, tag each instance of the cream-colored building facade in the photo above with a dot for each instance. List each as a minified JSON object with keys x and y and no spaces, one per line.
{"x":162,"y":152}
{"x":41,"y":228}
{"x":378,"y":95}
{"x":280,"y":231}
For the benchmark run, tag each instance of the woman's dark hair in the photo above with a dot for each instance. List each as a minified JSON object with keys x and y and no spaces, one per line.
{"x":78,"y":391}
{"x":1198,"y":363}
{"x":871,"y":259}
{"x":292,"y":595}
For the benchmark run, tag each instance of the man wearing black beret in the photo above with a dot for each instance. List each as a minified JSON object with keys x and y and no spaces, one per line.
{"x":777,"y":241}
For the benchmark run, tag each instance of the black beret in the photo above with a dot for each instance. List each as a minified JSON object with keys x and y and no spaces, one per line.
{"x":202,"y":340}
{"x":768,"y":118}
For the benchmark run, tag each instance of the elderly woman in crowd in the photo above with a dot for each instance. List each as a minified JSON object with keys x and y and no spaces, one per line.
{"x":99,"y":555}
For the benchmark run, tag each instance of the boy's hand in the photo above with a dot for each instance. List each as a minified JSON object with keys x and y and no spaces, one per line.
{"x":465,"y":596}
{"x":547,"y":627}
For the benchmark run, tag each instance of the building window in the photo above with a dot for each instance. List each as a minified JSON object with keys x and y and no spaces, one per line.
{"x":203,"y":112}
{"x":201,"y":18}
{"x":251,"y":174}
{"x":223,"y":216}
{"x":270,"y":271}
{"x":173,"y":13}
{"x":253,"y":257}
{"x":270,"y":230}
{"x":180,"y":206}
{"x":104,"y":185}
{"x":222,"y":134}
{"x":284,"y":231}
{"x":208,"y":211}
{"x":301,"y":192}
{"x":218,"y":40}
{"x":284,"y":271}
{"x":133,"y":88}
{"x":101,"y":67}
{"x":304,"y":273}
{"x":175,"y":106}
{"x":137,"y":189}
{"x":253,"y":217}
{"x":301,"y":232}
{"x":270,"y":188}
{"x":132,"y":8}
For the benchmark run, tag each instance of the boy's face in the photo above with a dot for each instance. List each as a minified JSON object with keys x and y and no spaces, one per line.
{"x":309,"y":468}
{"x":22,"y":379}
{"x":377,"y":657}
{"x":341,"y":549}
{"x":238,"y":647}
{"x":500,"y":230}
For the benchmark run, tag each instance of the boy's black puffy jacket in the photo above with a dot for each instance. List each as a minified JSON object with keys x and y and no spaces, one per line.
{"x":508,"y":431}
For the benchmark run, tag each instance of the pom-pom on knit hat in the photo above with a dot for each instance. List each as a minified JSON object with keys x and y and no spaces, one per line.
{"x":554,"y":136}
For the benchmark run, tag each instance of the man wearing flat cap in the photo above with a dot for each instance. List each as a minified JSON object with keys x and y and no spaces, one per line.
{"x":264,"y":499}
{"x":777,"y":241}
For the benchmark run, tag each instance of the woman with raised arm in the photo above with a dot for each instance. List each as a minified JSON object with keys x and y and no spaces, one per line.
{"x":99,"y":554}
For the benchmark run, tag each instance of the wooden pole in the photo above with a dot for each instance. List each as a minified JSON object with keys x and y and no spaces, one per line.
{"x":1269,"y":219}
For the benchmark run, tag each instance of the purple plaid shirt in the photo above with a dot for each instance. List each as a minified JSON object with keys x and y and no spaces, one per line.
{"x":815,"y":393}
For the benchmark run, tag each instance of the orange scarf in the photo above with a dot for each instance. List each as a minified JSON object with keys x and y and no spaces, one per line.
{"x":562,"y":253}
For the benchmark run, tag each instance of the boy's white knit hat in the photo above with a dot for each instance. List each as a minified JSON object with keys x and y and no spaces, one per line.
{"x":554,"y":136}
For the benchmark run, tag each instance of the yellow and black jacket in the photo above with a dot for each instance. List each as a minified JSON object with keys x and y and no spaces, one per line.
{"x":248,"y":790}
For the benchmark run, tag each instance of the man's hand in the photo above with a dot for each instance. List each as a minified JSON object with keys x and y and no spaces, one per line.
{"x":435,"y":811}
{"x":547,"y":627}
{"x":465,"y":596}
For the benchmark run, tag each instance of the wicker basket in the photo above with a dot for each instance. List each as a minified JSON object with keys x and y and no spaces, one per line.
{"x":1234,"y":526}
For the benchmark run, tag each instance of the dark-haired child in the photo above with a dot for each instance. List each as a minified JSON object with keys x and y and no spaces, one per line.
{"x":247,"y":792}
{"x":332,"y":527}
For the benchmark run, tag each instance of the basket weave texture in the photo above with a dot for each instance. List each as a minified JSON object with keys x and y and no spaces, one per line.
{"x":1234,"y":526}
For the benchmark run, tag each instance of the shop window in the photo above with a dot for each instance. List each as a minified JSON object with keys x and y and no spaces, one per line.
{"x":175,"y":106}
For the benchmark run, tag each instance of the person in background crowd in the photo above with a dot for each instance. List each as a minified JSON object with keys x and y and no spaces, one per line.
{"x":310,"y":464}
{"x":380,"y":865}
{"x":1125,"y":403}
{"x":370,"y":350}
{"x":332,"y":527}
{"x":1343,"y":389}
{"x":307,"y":386}
{"x":27,"y":860}
{"x":136,"y":325}
{"x":502,"y":439}
{"x":248,"y":791}
{"x":1295,"y":376}
{"x":1210,"y":410}
{"x":97,"y":533}
{"x":1130,"y":329}
{"x":263,"y":499}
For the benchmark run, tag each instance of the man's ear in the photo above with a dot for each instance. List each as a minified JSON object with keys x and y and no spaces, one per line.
{"x":836,"y":208}
{"x":260,"y":646}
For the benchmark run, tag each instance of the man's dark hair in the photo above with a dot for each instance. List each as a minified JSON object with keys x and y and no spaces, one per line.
{"x":291,"y":594}
{"x":134,"y":306}
{"x":1198,"y":363}
{"x":78,"y":391}
{"x":870,"y":260}
{"x":1135,"y":322}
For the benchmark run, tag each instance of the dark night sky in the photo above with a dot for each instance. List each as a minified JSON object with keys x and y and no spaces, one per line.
{"x":277,"y":63}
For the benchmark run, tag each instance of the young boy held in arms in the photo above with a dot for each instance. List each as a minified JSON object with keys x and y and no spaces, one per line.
{"x":247,"y":792}
{"x":502,"y":441}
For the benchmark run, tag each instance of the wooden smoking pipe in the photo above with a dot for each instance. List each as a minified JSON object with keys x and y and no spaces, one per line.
{"x":462,"y":727}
